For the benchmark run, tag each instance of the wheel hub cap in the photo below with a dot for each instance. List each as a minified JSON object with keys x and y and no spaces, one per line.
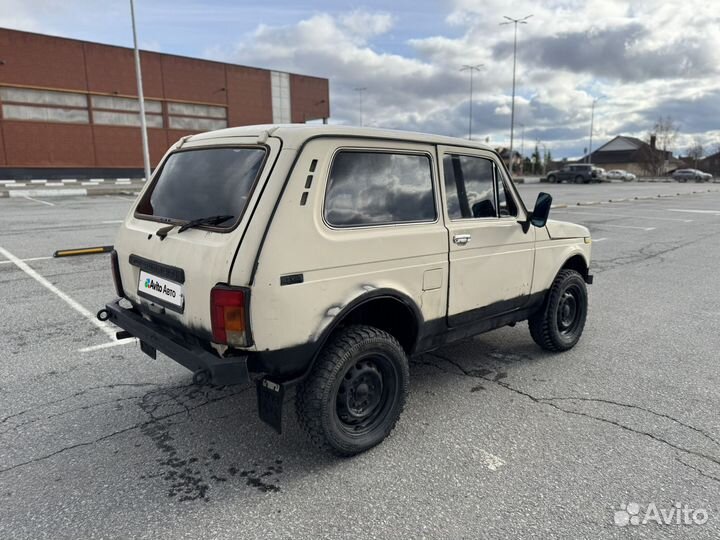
{"x":567,"y":311}
{"x":360,"y":392}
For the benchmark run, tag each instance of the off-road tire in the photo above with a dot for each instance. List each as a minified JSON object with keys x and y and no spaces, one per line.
{"x":319,"y":401}
{"x":546,"y":325}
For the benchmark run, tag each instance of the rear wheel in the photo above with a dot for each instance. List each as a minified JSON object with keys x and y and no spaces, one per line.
{"x":356,"y":391}
{"x":552,"y":179}
{"x":558,"y":325}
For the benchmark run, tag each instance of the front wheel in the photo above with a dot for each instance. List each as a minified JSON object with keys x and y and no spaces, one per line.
{"x":579,"y":179}
{"x":551,"y":179}
{"x":558,"y":325}
{"x":356,"y":391}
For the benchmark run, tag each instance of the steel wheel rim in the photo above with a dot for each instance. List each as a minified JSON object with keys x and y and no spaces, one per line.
{"x":366,"y":393}
{"x":569,"y":311}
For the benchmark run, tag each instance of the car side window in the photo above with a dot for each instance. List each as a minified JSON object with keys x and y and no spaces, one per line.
{"x":470,"y":187}
{"x":377,"y":188}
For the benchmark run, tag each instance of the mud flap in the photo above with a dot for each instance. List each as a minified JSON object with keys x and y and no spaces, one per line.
{"x":148,"y":349}
{"x":270,"y":396}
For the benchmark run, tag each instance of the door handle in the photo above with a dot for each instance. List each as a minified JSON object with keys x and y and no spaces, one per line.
{"x":461,"y":239}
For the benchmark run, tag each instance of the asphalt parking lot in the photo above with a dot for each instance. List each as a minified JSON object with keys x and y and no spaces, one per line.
{"x":498,"y":439}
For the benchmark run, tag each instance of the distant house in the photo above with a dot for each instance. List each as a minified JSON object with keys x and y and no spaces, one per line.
{"x":633,"y":155}
{"x":710,"y":164}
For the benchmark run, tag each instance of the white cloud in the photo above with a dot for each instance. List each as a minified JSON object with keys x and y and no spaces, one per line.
{"x":645,"y":58}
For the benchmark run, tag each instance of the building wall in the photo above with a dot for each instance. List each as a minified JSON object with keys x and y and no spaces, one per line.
{"x":184,"y":95}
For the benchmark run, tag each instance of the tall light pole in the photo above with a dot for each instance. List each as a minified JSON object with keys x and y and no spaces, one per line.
{"x":471,"y":69}
{"x":515,"y":22}
{"x":592,"y":121}
{"x":141,"y":97}
{"x":522,"y":150}
{"x":360,"y":92}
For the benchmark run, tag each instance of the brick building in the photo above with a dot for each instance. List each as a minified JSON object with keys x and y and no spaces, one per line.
{"x":70,"y":107}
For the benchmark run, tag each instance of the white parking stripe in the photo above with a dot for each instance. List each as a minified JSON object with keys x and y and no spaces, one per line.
{"x":125,"y":341}
{"x":37,"y":200}
{"x":111,"y":221}
{"x":599,"y":239}
{"x":489,"y":460}
{"x":53,"y":289}
{"x":715,"y":212}
{"x":28,"y":260}
{"x":624,"y":227}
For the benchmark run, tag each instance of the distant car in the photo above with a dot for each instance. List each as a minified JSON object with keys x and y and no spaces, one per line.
{"x":599,"y":174}
{"x":619,"y":174}
{"x":683,"y":175}
{"x":579,"y":173}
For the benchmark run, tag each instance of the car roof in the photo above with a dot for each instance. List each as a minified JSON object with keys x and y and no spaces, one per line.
{"x":294,"y":135}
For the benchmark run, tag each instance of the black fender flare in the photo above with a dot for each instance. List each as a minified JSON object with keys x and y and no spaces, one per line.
{"x":349,"y":308}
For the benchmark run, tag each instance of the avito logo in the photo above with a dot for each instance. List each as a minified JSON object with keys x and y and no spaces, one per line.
{"x":159,"y":287}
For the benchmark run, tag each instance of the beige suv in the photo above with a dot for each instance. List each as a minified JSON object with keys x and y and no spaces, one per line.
{"x":326,"y":256}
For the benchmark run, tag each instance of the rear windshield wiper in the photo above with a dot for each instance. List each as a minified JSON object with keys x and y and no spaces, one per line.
{"x":209,"y":220}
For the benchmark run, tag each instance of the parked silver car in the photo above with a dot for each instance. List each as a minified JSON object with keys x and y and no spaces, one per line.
{"x":619,"y":174}
{"x":683,"y":175}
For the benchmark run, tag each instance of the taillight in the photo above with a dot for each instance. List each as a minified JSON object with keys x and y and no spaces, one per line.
{"x":229,"y":315}
{"x":115,"y":265}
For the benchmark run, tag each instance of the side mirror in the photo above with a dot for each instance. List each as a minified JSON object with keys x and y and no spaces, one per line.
{"x":542,"y":210}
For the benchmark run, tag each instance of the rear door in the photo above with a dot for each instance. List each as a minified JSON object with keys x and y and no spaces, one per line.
{"x":173,"y":276}
{"x":491,"y":257}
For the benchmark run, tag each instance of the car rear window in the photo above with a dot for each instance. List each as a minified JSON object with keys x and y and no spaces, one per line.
{"x":204,"y":182}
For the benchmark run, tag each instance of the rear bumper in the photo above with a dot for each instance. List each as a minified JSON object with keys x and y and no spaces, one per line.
{"x":153,"y":336}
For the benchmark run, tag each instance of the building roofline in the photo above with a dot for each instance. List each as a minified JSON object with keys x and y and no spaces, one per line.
{"x":145,"y":51}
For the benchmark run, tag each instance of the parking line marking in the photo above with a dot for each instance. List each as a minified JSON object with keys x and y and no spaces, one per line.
{"x":715,"y":212}
{"x":111,"y":221}
{"x":125,"y":341}
{"x":624,"y":227}
{"x":490,"y":461}
{"x":52,"y":288}
{"x":599,"y":239}
{"x":28,"y":260}
{"x":37,"y":200}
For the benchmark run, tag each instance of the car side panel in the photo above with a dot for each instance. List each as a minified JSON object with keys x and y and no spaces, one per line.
{"x":551,"y":255}
{"x":328,"y":268}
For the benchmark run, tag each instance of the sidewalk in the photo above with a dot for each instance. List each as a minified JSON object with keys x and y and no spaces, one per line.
{"x":70,"y":187}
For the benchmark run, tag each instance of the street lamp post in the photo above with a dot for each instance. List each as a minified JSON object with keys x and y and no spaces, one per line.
{"x":515,"y":22}
{"x":141,"y":97}
{"x":522,"y":150}
{"x":592,"y":121}
{"x":360,"y":92}
{"x":471,"y":69}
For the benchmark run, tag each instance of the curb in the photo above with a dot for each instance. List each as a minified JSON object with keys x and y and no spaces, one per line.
{"x":642,"y":198}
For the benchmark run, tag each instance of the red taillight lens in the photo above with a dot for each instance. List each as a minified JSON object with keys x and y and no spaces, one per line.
{"x":229,"y":315}
{"x":115,"y":265}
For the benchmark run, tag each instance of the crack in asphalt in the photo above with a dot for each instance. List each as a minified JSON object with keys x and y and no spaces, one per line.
{"x":644,"y":254}
{"x":483,"y":374}
{"x":697,"y":470}
{"x":74,"y":395}
{"x":139,"y":425}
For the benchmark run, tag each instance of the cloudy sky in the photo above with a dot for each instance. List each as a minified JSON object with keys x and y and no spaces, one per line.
{"x":642,"y":58}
